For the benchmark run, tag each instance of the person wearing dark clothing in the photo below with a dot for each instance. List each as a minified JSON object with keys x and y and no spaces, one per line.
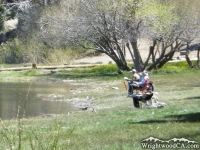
{"x":143,"y":96}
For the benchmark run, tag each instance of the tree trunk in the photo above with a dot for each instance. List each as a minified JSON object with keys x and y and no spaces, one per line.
{"x":151,"y":52}
{"x":136,"y":55}
{"x":198,"y":53}
{"x":129,"y":49}
{"x":167,"y":57}
{"x":157,"y":61}
{"x":120,"y":64}
{"x":187,"y":57}
{"x":189,"y":61}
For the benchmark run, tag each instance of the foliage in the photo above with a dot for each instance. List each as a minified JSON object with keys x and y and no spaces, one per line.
{"x":94,"y":24}
{"x":117,"y":125}
{"x":34,"y":51}
{"x":12,"y":52}
{"x":181,"y":65}
{"x":103,"y":72}
{"x":16,"y":51}
{"x":111,"y":27}
{"x":103,"y":69}
{"x":31,"y":72}
{"x":159,"y":16}
{"x":9,"y":10}
{"x":1,"y":19}
{"x":175,"y":67}
{"x":63,"y":56}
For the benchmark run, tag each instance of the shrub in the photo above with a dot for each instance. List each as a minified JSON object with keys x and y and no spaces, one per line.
{"x":61,"y":56}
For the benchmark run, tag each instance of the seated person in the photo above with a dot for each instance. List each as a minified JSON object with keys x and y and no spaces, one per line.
{"x":135,"y":78}
{"x":144,"y":80}
{"x":143,"y":96}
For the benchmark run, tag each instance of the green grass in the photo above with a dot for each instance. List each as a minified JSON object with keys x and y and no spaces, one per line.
{"x":120,"y":125}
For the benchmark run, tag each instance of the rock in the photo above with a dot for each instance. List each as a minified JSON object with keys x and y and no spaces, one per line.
{"x":116,"y":88}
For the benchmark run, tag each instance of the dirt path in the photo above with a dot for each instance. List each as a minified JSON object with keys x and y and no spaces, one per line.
{"x":143,"y":46}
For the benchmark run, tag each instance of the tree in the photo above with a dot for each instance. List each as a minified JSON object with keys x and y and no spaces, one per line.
{"x":170,"y":27}
{"x":9,"y":10}
{"x":111,"y":26}
{"x":28,"y":20}
{"x":99,"y":25}
{"x":189,"y":14}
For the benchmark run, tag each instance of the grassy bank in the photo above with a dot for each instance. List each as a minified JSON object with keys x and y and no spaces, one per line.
{"x":118,"y":125}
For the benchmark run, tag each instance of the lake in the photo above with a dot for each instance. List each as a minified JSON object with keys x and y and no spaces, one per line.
{"x":21,"y":99}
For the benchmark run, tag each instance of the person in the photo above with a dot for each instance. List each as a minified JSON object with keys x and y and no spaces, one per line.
{"x":143,"y":96}
{"x":135,"y":78}
{"x":143,"y":81}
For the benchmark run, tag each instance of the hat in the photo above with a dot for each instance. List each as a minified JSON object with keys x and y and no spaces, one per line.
{"x":145,"y":72}
{"x":133,"y":70}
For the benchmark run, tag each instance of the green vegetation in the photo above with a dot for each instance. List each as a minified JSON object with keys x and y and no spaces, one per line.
{"x":105,"y":72}
{"x":30,"y":40}
{"x":18,"y":52}
{"x":119,"y":125}
{"x":175,"y":67}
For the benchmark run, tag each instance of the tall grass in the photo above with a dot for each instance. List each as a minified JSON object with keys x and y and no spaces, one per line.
{"x":34,"y":51}
{"x":19,"y":134}
{"x":62,"y":56}
{"x":119,"y":125}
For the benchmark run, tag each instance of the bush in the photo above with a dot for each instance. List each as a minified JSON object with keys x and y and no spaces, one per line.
{"x":33,"y":51}
{"x":61,"y":56}
{"x":12,"y":52}
{"x":16,"y":52}
{"x":173,"y":67}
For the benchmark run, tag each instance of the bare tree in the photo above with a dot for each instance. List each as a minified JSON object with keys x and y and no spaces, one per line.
{"x":105,"y":26}
{"x":8,"y":11}
{"x":170,"y":32}
{"x":111,"y":26}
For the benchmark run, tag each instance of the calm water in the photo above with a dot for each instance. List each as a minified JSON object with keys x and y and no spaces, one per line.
{"x":13,"y":93}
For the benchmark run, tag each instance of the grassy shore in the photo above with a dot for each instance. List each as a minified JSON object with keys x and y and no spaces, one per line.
{"x":116,"y":124}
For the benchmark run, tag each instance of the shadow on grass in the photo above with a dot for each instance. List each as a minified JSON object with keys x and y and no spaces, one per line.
{"x":193,"y":117}
{"x":195,"y":97}
{"x":188,"y":98}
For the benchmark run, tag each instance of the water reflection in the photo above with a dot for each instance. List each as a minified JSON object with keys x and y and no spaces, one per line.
{"x":24,"y":94}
